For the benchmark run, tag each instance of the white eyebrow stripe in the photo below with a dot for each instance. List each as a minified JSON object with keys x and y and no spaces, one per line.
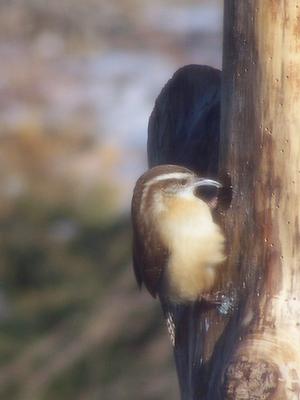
{"x":163,"y":177}
{"x":170,"y":175}
{"x":209,"y":182}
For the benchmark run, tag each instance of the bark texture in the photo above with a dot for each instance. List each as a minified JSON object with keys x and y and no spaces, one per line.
{"x":258,"y":355}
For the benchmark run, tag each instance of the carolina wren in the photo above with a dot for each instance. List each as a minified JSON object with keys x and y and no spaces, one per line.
{"x":177,"y":246}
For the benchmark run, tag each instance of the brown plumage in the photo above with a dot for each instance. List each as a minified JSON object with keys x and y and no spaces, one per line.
{"x":176,"y":244}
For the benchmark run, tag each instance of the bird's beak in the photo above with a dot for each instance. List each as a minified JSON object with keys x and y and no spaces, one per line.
{"x":207,"y":190}
{"x":206,"y":182}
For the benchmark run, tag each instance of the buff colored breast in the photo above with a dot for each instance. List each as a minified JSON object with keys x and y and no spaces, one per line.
{"x":196,"y":247}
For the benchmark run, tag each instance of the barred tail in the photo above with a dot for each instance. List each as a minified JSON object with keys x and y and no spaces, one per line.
{"x":183,"y":324}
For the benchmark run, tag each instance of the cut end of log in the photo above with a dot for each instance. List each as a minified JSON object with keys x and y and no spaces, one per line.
{"x":251,"y":380}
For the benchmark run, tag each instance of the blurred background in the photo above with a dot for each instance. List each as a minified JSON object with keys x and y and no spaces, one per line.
{"x":78,"y":80}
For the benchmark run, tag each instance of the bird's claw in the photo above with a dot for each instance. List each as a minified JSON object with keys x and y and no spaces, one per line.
{"x":223,"y":303}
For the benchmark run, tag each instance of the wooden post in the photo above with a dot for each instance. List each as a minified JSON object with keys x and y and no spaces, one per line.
{"x":260,"y":147}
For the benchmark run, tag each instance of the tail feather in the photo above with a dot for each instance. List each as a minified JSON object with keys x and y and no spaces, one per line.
{"x":183,"y":323}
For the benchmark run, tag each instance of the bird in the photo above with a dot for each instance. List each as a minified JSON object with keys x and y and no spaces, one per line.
{"x":177,"y":245}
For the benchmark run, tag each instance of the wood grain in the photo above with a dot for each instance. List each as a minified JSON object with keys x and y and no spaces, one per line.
{"x":260,"y":147}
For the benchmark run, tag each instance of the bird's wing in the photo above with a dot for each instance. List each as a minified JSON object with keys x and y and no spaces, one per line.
{"x":149,"y":261}
{"x":136,"y":264}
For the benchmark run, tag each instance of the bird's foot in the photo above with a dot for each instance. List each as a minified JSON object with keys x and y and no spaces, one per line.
{"x":218,"y":300}
{"x":226,"y":306}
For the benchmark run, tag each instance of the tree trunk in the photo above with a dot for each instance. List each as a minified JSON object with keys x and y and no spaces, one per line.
{"x":258,"y":355}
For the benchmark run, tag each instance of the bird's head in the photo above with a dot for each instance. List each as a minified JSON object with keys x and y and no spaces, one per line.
{"x":159,"y":186}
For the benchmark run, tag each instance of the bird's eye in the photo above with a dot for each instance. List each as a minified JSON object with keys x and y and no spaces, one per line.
{"x":182,"y":182}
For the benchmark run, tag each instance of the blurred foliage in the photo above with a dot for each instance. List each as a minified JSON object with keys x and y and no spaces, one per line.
{"x":74,"y":19}
{"x":64,"y":261}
